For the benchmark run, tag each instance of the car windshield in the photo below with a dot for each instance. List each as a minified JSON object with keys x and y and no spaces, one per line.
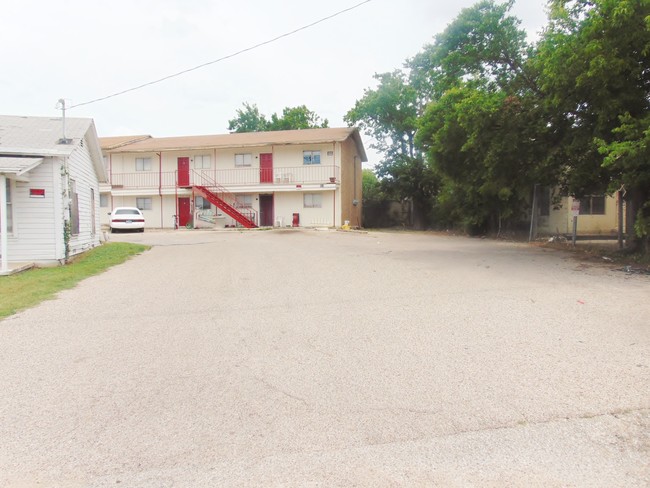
{"x":127,"y":211}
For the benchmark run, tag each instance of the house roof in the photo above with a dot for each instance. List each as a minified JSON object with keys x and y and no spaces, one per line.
{"x":18,"y":166}
{"x":236,"y":140}
{"x":111,"y":143}
{"x":41,"y":136}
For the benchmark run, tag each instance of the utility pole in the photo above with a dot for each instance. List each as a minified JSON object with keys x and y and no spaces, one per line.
{"x":61,"y":106}
{"x":533,"y":215}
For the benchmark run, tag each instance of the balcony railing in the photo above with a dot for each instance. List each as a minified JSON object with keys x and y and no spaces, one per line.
{"x":295,"y":175}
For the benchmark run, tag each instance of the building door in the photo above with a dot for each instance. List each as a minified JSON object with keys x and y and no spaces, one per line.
{"x":183,"y":171}
{"x":266,"y":168}
{"x":266,"y":210}
{"x":184,"y":212}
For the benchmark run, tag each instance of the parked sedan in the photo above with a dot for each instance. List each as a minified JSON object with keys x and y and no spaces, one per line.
{"x":126,"y":218}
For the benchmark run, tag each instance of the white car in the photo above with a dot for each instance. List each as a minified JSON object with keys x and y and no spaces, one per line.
{"x":126,"y":218}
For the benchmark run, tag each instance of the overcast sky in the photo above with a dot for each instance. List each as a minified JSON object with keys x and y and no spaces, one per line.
{"x":81,"y":50}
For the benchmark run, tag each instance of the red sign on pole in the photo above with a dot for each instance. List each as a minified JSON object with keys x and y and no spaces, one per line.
{"x":575,"y":207}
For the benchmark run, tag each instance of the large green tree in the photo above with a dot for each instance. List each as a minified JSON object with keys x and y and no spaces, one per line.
{"x":249,"y":119}
{"x":594,"y":65}
{"x":481,"y":128}
{"x":495,"y":115}
{"x":389,"y":114}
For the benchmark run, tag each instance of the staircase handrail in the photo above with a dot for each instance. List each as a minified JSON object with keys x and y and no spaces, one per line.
{"x":201,"y":179}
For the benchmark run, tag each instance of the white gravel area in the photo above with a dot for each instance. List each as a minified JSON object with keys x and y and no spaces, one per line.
{"x":324,"y":358}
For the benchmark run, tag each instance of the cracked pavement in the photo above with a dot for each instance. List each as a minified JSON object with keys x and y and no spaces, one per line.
{"x":323,"y":358}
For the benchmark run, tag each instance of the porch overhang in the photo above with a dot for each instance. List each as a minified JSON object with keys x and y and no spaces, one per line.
{"x":17,"y":166}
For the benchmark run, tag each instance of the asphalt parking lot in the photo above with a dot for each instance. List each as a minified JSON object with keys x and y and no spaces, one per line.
{"x":323,"y":358}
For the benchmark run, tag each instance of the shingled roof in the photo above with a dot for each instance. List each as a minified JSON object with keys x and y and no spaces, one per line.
{"x":36,"y":137}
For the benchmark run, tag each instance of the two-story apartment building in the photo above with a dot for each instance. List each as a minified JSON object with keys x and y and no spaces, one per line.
{"x":309,"y":177}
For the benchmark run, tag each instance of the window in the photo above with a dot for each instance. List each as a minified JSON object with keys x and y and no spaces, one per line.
{"x":243,"y":159}
{"x":244,"y":201}
{"x":201,"y":203}
{"x":74,"y":208}
{"x":10,"y":213}
{"x":103,"y":200}
{"x":592,"y":205}
{"x":143,"y":164}
{"x":202,"y":162}
{"x":92,"y":210}
{"x":312,"y":200}
{"x":311,"y":157}
{"x":143,"y":203}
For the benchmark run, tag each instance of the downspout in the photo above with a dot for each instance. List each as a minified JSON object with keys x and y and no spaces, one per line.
{"x":3,"y":224}
{"x":110,"y":177}
{"x":160,"y":187}
{"x":334,"y":206}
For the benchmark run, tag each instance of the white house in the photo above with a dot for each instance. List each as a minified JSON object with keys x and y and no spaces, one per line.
{"x":49,"y":189}
{"x":309,"y":177}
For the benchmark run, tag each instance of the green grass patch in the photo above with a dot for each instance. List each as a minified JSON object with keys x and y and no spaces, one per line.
{"x":24,"y":290}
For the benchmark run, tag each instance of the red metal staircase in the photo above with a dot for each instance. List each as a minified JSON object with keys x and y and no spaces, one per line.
{"x":224,"y":200}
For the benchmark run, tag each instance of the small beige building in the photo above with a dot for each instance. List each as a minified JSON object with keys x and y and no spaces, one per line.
{"x":597,"y":215}
{"x":307,"y":178}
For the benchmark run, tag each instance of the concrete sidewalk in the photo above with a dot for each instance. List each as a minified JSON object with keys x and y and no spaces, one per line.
{"x":322,"y":358}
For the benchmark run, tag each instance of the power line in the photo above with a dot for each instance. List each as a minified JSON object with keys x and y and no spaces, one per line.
{"x":287,"y":34}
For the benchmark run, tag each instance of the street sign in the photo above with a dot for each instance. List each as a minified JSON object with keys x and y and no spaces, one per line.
{"x":575,"y":207}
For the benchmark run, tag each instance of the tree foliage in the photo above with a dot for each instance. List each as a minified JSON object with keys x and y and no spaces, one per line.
{"x":476,"y":129}
{"x":596,"y":71}
{"x":480,"y":116}
{"x":389,"y":113}
{"x":249,"y":119}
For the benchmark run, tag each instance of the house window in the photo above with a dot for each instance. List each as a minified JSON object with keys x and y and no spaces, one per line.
{"x":244,"y":201}
{"x":592,"y":205}
{"x":311,"y":157}
{"x":103,"y":200}
{"x":243,"y":159}
{"x":201,"y":203}
{"x":143,"y":164}
{"x":143,"y":203}
{"x":92,"y":210}
{"x":74,"y":208}
{"x":312,"y":200}
{"x":10,"y":213}
{"x":202,"y":162}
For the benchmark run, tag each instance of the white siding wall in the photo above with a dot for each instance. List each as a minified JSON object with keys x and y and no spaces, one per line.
{"x":288,"y":203}
{"x":81,"y":169}
{"x":35,"y":231}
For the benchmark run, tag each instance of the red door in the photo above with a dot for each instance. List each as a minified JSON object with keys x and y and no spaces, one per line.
{"x":266,"y":168}
{"x":183,"y":171}
{"x":266,"y":210}
{"x":184,"y":212}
